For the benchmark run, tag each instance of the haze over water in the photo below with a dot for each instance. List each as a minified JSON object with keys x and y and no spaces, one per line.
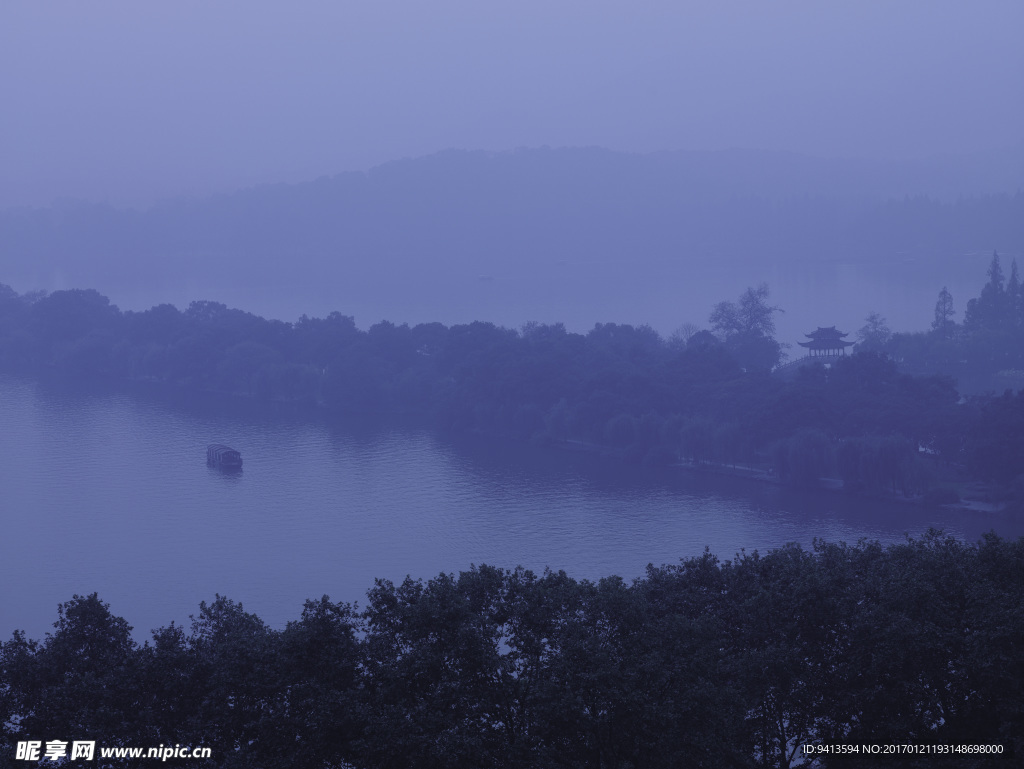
{"x":109,"y":492}
{"x":135,"y":105}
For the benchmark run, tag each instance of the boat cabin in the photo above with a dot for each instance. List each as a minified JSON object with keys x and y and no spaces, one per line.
{"x":219,"y":455}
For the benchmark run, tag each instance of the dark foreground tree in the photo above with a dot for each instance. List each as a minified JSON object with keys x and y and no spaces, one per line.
{"x":702,"y":663}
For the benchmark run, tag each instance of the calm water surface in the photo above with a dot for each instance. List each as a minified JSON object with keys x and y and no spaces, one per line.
{"x":110,"y":493}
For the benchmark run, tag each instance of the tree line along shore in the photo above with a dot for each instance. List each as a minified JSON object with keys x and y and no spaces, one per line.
{"x":888,"y":419}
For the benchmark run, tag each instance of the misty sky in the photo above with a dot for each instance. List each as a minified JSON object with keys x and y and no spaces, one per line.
{"x":129,"y":102}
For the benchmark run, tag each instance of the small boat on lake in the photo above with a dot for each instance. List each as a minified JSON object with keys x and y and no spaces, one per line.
{"x":219,"y":455}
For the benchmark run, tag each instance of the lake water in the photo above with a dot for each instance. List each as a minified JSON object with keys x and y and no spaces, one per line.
{"x":109,"y":492}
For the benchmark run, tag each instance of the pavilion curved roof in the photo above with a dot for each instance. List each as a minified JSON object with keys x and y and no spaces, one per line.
{"x":822,"y":344}
{"x":828,"y":333}
{"x":826,"y":339}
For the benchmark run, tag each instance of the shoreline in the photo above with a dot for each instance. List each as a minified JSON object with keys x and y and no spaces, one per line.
{"x":764,"y":475}
{"x":318,"y":411}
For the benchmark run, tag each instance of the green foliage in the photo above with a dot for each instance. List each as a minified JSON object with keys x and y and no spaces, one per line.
{"x":943,"y":324}
{"x":748,"y":328}
{"x":995,"y":442}
{"x":83,"y":680}
{"x":803,"y":459}
{"x":700,"y":663}
{"x":878,"y":464}
{"x":984,"y":353}
{"x":874,"y":335}
{"x":708,"y":399}
{"x":994,"y":308}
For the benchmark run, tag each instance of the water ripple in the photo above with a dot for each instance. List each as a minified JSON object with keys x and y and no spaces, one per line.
{"x":111,"y":493}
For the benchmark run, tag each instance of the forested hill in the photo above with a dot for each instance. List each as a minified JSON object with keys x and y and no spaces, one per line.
{"x":705,"y":398}
{"x":517,"y":213}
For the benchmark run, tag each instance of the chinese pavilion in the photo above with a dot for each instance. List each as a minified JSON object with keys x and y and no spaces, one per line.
{"x":826,"y":343}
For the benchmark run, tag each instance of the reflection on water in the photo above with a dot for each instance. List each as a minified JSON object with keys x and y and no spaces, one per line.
{"x":225,"y":472}
{"x":111,"y":493}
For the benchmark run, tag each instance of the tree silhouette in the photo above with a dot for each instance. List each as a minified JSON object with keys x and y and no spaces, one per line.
{"x":748,"y":329}
{"x":944,"y":312}
{"x":992,"y":309}
{"x":874,"y":334}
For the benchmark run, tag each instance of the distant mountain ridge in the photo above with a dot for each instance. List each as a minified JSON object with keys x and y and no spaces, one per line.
{"x":691,"y":174}
{"x":409,"y":230}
